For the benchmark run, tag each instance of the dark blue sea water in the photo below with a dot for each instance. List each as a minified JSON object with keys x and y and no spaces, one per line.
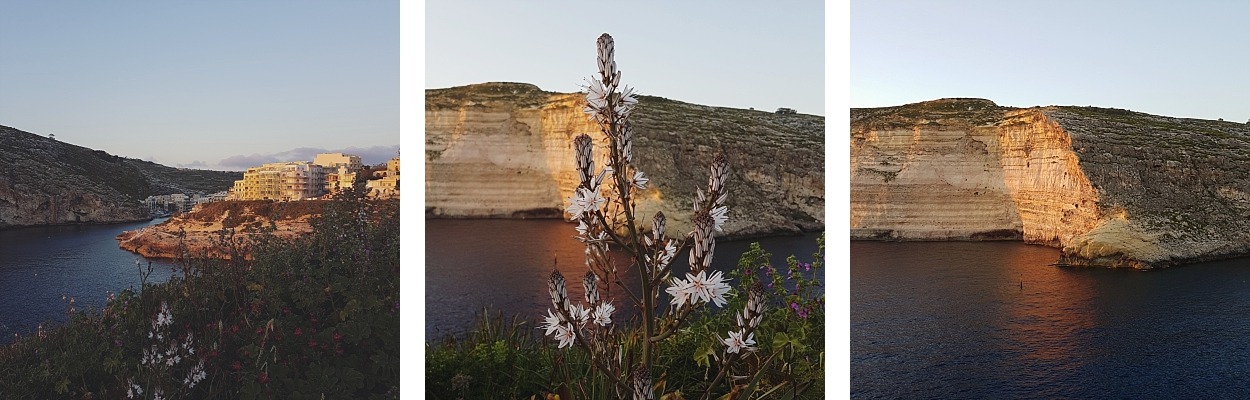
{"x":504,"y":265}
{"x":993,"y":320}
{"x":39,"y":265}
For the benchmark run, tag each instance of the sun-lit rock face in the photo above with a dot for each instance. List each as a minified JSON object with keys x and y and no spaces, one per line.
{"x":1109,"y":187}
{"x":505,"y":150}
{"x":502,"y":150}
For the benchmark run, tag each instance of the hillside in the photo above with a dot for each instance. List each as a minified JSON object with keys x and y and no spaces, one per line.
{"x":45,"y":181}
{"x":502,"y":150}
{"x":1110,"y":187}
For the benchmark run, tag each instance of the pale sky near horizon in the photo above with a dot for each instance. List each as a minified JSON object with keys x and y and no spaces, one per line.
{"x":1178,"y":59}
{"x":217,"y":85}
{"x":737,"y":54}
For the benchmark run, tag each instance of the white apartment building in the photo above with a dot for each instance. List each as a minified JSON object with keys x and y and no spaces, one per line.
{"x":340,"y":170}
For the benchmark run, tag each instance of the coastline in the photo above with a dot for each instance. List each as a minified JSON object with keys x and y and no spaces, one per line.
{"x":63,"y":224}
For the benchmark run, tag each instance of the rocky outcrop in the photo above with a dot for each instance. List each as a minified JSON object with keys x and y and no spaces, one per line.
{"x":47,"y":182}
{"x":1109,"y":187}
{"x":211,"y":230}
{"x":503,"y":150}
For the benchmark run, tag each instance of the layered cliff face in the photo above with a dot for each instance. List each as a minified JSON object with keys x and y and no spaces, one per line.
{"x":1110,"y":187}
{"x":505,"y":150}
{"x":45,"y":181}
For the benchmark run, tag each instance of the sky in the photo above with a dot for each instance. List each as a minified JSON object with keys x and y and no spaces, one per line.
{"x":205,"y":84}
{"x":1172,"y":58}
{"x":738,"y":54}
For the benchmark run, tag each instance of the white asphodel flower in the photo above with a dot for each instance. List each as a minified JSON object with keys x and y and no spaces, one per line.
{"x":698,"y":288}
{"x":566,"y":335}
{"x":551,"y":322}
{"x":708,"y":288}
{"x":627,"y":96}
{"x":719,"y":216}
{"x":603,"y":313}
{"x":627,"y":102}
{"x":670,"y":249}
{"x":164,"y":318}
{"x":640,"y":180}
{"x":596,"y":96}
{"x":680,"y":291}
{"x":585,"y":201}
{"x":736,"y":342}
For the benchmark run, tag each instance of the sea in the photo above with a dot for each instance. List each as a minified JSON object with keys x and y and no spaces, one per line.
{"x":501,"y":267}
{"x":471,"y":266}
{"x":40,"y":265}
{"x":993,"y":320}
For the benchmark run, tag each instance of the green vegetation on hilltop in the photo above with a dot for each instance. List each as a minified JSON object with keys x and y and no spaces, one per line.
{"x":658,"y":116}
{"x":1142,"y":123}
{"x":523,"y":94}
{"x":977,"y":112}
{"x":311,"y":317}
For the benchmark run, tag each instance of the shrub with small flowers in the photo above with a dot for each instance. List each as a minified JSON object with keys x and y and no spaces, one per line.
{"x":311,"y":317}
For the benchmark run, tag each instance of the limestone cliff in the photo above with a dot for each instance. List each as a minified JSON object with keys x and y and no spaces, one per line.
{"x":1110,"y":187}
{"x":45,"y":181}
{"x":504,"y":150}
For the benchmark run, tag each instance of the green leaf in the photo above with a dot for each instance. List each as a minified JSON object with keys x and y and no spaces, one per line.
{"x":703,"y":354}
{"x":780,"y":339}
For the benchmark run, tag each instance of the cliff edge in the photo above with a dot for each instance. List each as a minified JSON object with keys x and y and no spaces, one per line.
{"x":504,"y":150}
{"x":1110,"y":187}
{"x":46,"y":182}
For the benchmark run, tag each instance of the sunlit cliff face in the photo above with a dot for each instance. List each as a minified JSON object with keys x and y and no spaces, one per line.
{"x":1111,"y":187}
{"x":944,"y":179}
{"x":495,"y":160}
{"x":504,"y":150}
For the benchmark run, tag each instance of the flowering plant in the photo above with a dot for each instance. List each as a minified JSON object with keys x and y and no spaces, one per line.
{"x":604,"y":208}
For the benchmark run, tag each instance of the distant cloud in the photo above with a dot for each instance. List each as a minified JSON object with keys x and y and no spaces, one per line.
{"x":197,"y":164}
{"x":368,"y":155}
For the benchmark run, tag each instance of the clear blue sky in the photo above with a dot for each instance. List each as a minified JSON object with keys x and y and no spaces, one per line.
{"x":208,"y":84}
{"x":722,"y":53}
{"x":1173,"y":58}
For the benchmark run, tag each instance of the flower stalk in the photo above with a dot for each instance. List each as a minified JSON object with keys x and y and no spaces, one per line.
{"x":603,"y":205}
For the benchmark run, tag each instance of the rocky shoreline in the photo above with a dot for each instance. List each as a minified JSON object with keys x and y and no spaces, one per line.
{"x":202,"y":232}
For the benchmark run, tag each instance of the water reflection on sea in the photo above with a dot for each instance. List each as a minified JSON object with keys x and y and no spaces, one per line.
{"x":38,"y":265}
{"x":994,"y":320}
{"x":505,"y":264}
